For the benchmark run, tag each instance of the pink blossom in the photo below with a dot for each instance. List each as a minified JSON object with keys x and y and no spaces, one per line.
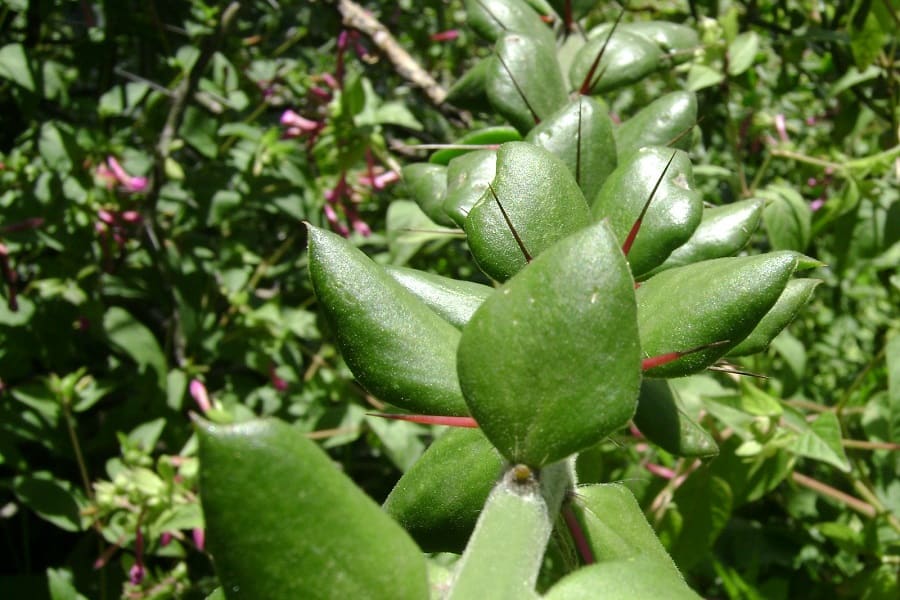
{"x":379,"y":182}
{"x":660,"y":471}
{"x":817,"y":204}
{"x":812,"y":182}
{"x":445,"y":36}
{"x":165,"y":538}
{"x":112,"y":174}
{"x":298,"y":125}
{"x":781,"y":127}
{"x":136,"y":573}
{"x":200,"y":395}
{"x":199,"y":535}
{"x":329,"y":80}
{"x":277,"y":382}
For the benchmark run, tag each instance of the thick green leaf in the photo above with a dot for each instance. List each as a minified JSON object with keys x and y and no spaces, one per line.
{"x":467,"y":178}
{"x":674,"y":212}
{"x":469,"y":90}
{"x":581,"y":135}
{"x":615,"y":526}
{"x":892,"y":356}
{"x":663,"y":422}
{"x":628,"y":58}
{"x":792,"y":300}
{"x":408,"y":229}
{"x":440,"y":517}
{"x":720,"y":300}
{"x":489,"y":135}
{"x":631,"y":561}
{"x":678,"y":41}
{"x":636,"y":578}
{"x":525,"y":83}
{"x":658,"y":124}
{"x":427,"y":184}
{"x":397,"y":347}
{"x":723,"y":231}
{"x":504,"y":554}
{"x":550,"y":362}
{"x":542,"y":202}
{"x":492,"y":19}
{"x":454,"y":300}
{"x":787,"y":217}
{"x":284,"y":522}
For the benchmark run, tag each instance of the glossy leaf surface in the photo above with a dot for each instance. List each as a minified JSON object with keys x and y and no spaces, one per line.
{"x":581,"y":135}
{"x":628,"y":58}
{"x":638,"y":578}
{"x":467,"y":178}
{"x":397,"y":347}
{"x":674,"y":212}
{"x":427,"y":184}
{"x":525,"y":83}
{"x":492,"y":19}
{"x":550,"y":362}
{"x":284,"y":522}
{"x":792,"y":300}
{"x":489,"y":135}
{"x":658,"y":124}
{"x":723,"y":231}
{"x":662,"y":422}
{"x":439,"y":499}
{"x":454,"y":300}
{"x":541,"y":200}
{"x":714,"y":301}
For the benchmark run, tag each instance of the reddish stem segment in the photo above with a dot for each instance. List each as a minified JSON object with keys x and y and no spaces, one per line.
{"x":577,"y":533}
{"x":430,"y":419}
{"x":664,"y":359}
{"x":626,"y":247}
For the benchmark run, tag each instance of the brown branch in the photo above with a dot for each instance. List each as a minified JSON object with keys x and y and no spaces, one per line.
{"x":356,"y":17}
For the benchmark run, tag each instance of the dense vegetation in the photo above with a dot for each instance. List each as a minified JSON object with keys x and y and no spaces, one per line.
{"x":158,"y":161}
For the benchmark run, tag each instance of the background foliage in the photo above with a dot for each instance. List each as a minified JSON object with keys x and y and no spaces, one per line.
{"x":152,"y":188}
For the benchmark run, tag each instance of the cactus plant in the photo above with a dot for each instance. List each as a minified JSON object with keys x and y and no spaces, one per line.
{"x":611,"y":278}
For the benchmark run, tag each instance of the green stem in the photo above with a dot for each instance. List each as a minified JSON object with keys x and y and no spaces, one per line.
{"x":506,"y":549}
{"x":811,"y":160}
{"x":76,"y":446}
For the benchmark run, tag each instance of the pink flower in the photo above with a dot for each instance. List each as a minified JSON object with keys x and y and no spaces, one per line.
{"x":445,"y":36}
{"x":112,"y":173}
{"x":200,"y":395}
{"x":781,"y":127}
{"x":298,"y":125}
{"x":199,"y":535}
{"x":817,"y":204}
{"x":165,"y":538}
{"x":277,"y":382}
{"x":660,"y":471}
{"x":379,"y":182}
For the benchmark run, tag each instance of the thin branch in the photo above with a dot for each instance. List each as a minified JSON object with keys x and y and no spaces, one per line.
{"x":835,"y":494}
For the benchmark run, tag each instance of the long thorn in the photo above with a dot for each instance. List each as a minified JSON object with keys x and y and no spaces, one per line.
{"x":430,"y":419}
{"x":519,"y":90}
{"x":588,"y":81}
{"x":684,"y":132}
{"x":664,"y":359}
{"x":729,"y":370}
{"x":509,"y":224}
{"x":626,"y":247}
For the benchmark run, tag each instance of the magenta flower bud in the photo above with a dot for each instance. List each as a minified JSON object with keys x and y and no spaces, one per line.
{"x":342,"y":39}
{"x":136,"y":573}
{"x":277,"y":382}
{"x":330,"y":81}
{"x":660,"y":471}
{"x":294,"y":121}
{"x":165,"y":538}
{"x":810,"y":121}
{"x":199,"y":535}
{"x":445,"y":36}
{"x":200,"y":395}
{"x":106,"y":216}
{"x":130,"y":216}
{"x":812,"y":182}
{"x":817,"y":204}
{"x":320,"y":93}
{"x":361,"y":227}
